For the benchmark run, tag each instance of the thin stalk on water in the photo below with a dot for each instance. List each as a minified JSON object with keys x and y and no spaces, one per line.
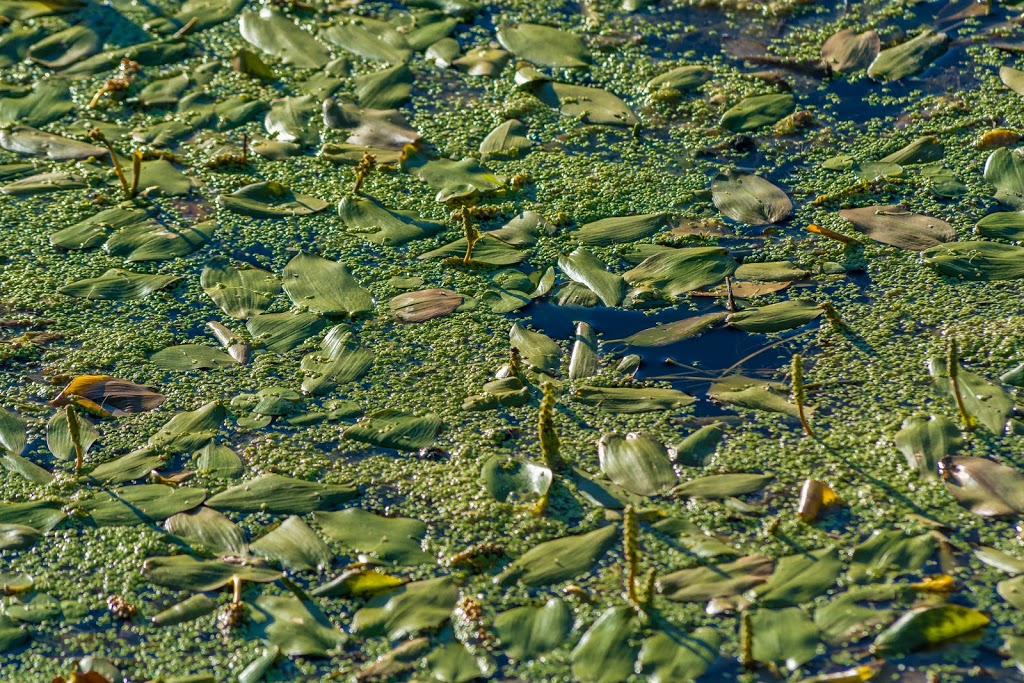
{"x":799,"y":393}
{"x":953,"y":372}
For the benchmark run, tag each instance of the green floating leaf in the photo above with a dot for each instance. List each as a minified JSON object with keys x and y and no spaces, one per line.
{"x":1004,"y":168}
{"x":887,"y":554}
{"x":339,"y":361}
{"x":41,"y":515}
{"x":746,"y":392}
{"x":683,"y":78}
{"x":29,"y":9}
{"x":384,"y":89}
{"x":561,"y":559}
{"x":118,"y":285}
{"x":637,"y":463}
{"x":32,"y":142}
{"x":678,"y":271}
{"x":189,"y":609}
{"x":621,"y":229}
{"x":134,"y":465}
{"x":1012,"y":590}
{"x":588,"y":105}
{"x":371,"y":39}
{"x":756,"y":112}
{"x":668,"y":658}
{"x":927,"y":626}
{"x":208,"y":529}
{"x":585,"y":268}
{"x":13,"y":431}
{"x":984,"y":400}
{"x":920,"y":151}
{"x":186,"y":573}
{"x":515,"y":481}
{"x":544,"y":45}
{"x":508,"y":139}
{"x":93,"y":231}
{"x":205,"y":13}
{"x":295,"y":120}
{"x":527,"y":633}
{"x":150,"y":53}
{"x":415,"y":607}
{"x":18,"y":537}
{"x":359,"y":583}
{"x":770,"y":271}
{"x":191,"y":357}
{"x":722,"y":485}
{"x":294,"y":546}
{"x":1002,"y":225}
{"x":324,"y":286}
{"x":605,"y":653}
{"x":749,"y":198}
{"x":977,"y":260}
{"x":164,"y":91}
{"x":130,"y":505}
{"x":800,"y":578}
{"x":909,"y":58}
{"x":453,"y":179}
{"x":270,"y":200}
{"x":671,"y":333}
{"x":538,"y":350}
{"x":25,"y":468}
{"x":897,"y":226}
{"x":488,"y":250}
{"x":44,"y":183}
{"x":189,"y":430}
{"x":159,"y":177}
{"x":480,"y":61}
{"x":396,"y":540}
{"x":1000,"y":560}
{"x":843,"y":619}
{"x":281,"y":332}
{"x":925,"y":441}
{"x":66,"y":47}
{"x":280,"y":495}
{"x":583,"y":361}
{"x":454,"y":663}
{"x":848,"y":50}
{"x":984,"y":486}
{"x":390,"y":428}
{"x":697,"y":448}
{"x":633,"y":400}
{"x":219,"y":461}
{"x":785,"y":315}
{"x":365,"y":216}
{"x":37,"y":608}
{"x":275,"y":34}
{"x":785,"y":637}
{"x":48,"y":101}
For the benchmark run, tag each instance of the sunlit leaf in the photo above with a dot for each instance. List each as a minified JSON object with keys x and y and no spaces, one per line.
{"x":926,"y":626}
{"x":396,"y":540}
{"x":785,"y":637}
{"x":414,"y":607}
{"x":909,"y":58}
{"x":561,"y":559}
{"x":282,"y":495}
{"x":605,"y":653}
{"x":118,"y":285}
{"x":108,"y":395}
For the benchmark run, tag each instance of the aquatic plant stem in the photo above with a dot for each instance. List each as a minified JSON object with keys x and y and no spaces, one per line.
{"x":76,"y":437}
{"x":549,"y":443}
{"x":799,"y":393}
{"x":630,"y":548}
{"x":953,"y":372}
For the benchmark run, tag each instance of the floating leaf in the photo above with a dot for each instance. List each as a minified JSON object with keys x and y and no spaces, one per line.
{"x":390,"y":428}
{"x":359,"y":583}
{"x":924,"y":442}
{"x":561,"y":559}
{"x":189,"y":609}
{"x":507,"y":139}
{"x":678,"y":271}
{"x":270,"y":200}
{"x":41,"y":515}
{"x":384,"y":89}
{"x":153,"y":241}
{"x":785,"y":315}
{"x":1012,"y":590}
{"x":294,"y":120}
{"x":926,"y":626}
{"x":800,"y":578}
{"x":370,"y":39}
{"x":66,"y":47}
{"x":984,"y":486}
{"x":756,"y":112}
{"x":633,"y":400}
{"x":538,"y":350}
{"x":282,"y":332}
{"x":1010,"y":564}
{"x":667,"y":658}
{"x":583,"y":361}
{"x":192,"y":357}
{"x":208,"y":529}
{"x":585,"y":268}
{"x":750,"y":199}
{"x":544,"y":45}
{"x":33,"y":142}
{"x":1012,"y":78}
{"x":722,"y":485}
{"x":140,"y":504}
{"x":697,"y":448}
{"x":844,"y":620}
{"x":118,"y":285}
{"x":890,"y":553}
{"x":339,"y":361}
{"x":920,"y":151}
{"x":93,"y":231}
{"x":1004,"y":168}
{"x":183,"y":572}
{"x":589,"y":105}
{"x":108,"y":395}
{"x":453,"y":179}
{"x":134,"y":465}
{"x":604,"y":653}
{"x":517,"y":480}
{"x":454,"y":663}
{"x":527,"y":633}
{"x":481,"y":61}
{"x":723,"y":580}
{"x":424,"y":305}
{"x":189,"y":430}
{"x":621,"y":229}
{"x":276,"y":494}
{"x":984,"y":400}
{"x":366,"y":217}
{"x":977,"y":260}
{"x":13,"y":434}
{"x":683,"y":78}
{"x":217,"y":460}
{"x":488,"y":250}
{"x":909,"y":58}
{"x":745,"y":392}
{"x":637,"y":463}
{"x":899,"y":227}
{"x":294,"y":546}
{"x":18,"y":537}
{"x":395,"y":540}
{"x":48,"y":101}
{"x":61,"y":439}
{"x":279,"y":36}
{"x":671,"y":333}
{"x":44,"y":183}
{"x":1002,"y":225}
{"x":848,"y":50}
{"x":324,"y":286}
{"x":414,"y":607}
{"x":784,"y":637}
{"x":25,"y":468}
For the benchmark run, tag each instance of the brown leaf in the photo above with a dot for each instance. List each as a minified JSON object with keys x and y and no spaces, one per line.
{"x":426,"y":304}
{"x":105,"y":396}
{"x":898,"y":226}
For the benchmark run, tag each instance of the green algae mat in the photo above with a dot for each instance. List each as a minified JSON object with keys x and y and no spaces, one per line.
{"x":450,"y":341}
